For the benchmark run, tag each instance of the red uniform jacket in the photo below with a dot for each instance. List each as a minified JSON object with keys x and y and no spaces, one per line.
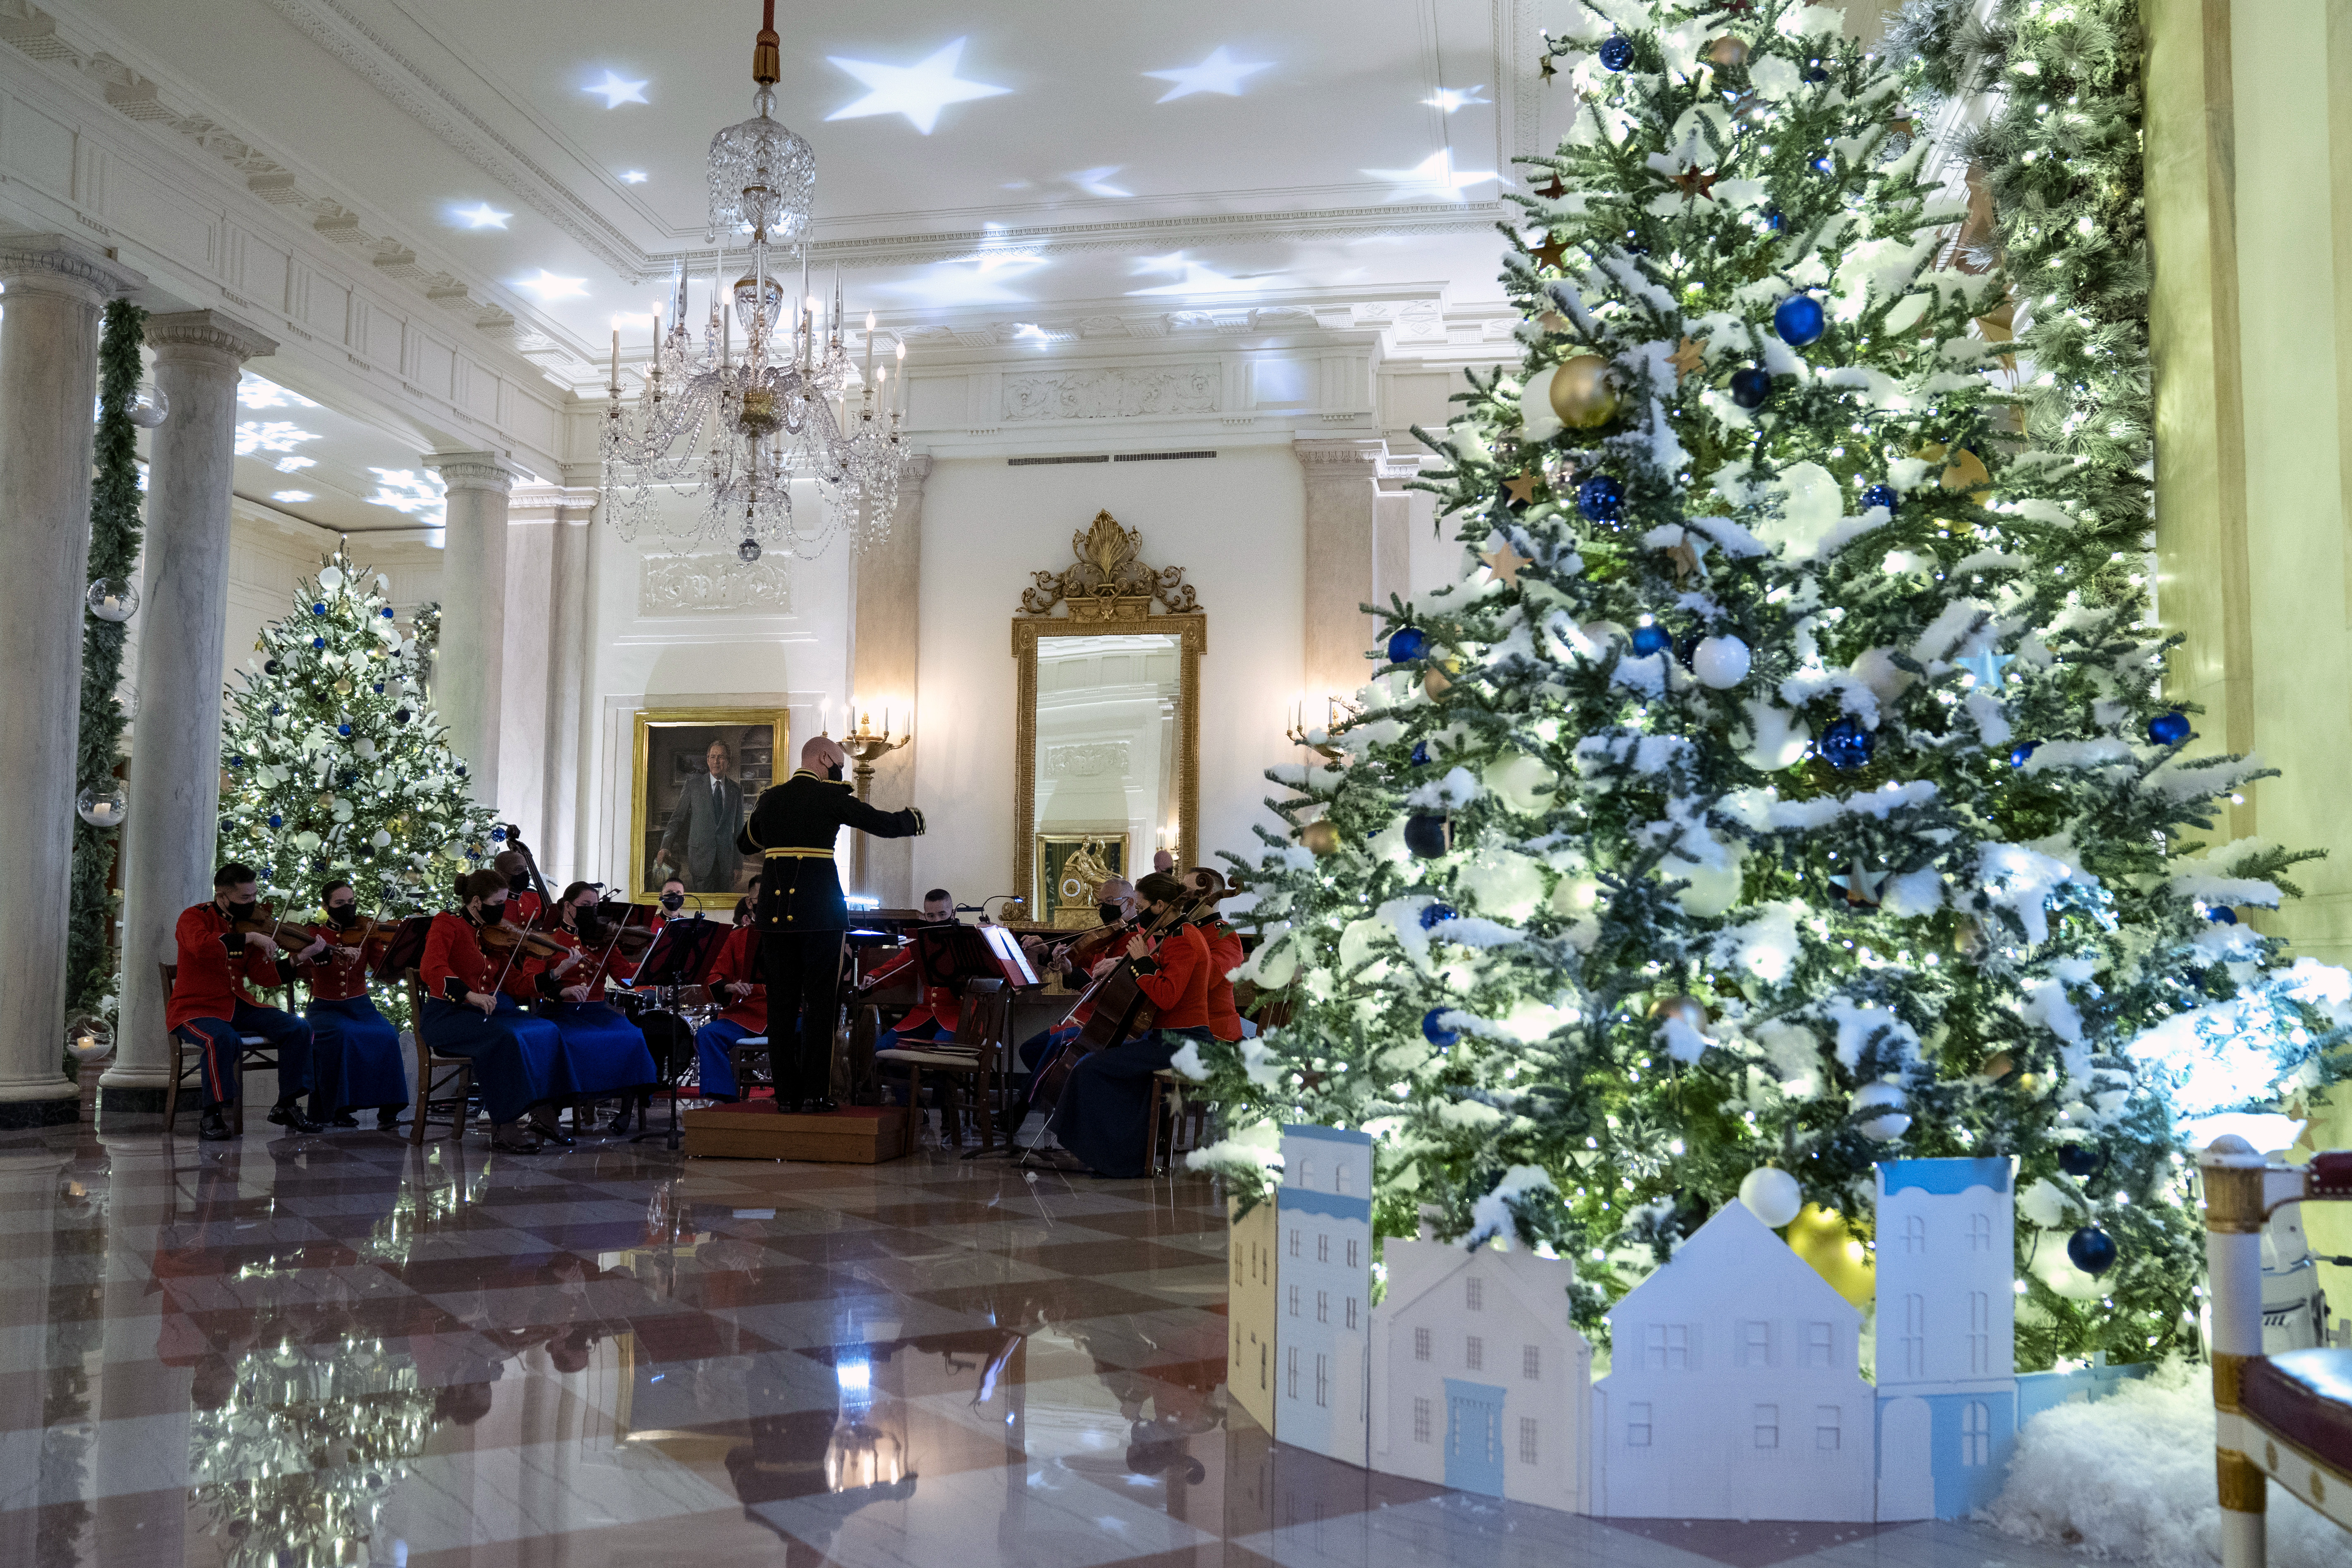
{"x":1176,"y":979}
{"x":1224,"y":957}
{"x":454,"y":961}
{"x":341,"y":974}
{"x":939,"y":1004}
{"x":522,"y":909}
{"x":215,"y":970}
{"x":738,"y":959}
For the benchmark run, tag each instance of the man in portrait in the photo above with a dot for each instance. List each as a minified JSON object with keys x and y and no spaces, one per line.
{"x":698,"y":843}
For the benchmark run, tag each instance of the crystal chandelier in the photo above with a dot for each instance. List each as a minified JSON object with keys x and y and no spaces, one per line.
{"x":741,"y":422}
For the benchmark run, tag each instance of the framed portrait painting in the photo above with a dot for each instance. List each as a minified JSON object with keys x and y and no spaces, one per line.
{"x":699,"y":771}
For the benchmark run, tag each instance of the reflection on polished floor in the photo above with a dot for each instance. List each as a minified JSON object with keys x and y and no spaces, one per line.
{"x":335,"y":1350}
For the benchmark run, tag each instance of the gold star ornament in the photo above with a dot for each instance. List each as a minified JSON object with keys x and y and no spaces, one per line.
{"x":1686,"y":359}
{"x":1504,"y":562}
{"x":1523,"y":489}
{"x":1551,"y":253}
{"x":1697,"y":182}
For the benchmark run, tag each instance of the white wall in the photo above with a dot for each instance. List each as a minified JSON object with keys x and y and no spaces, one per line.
{"x":1232,"y":522}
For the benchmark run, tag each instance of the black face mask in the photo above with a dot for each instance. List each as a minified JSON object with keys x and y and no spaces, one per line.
{"x":833,"y":773}
{"x":1111,"y":913}
{"x":518,"y":881}
{"x":344,"y":915}
{"x":673,"y":901}
{"x":493,"y":912}
{"x":244,"y":911}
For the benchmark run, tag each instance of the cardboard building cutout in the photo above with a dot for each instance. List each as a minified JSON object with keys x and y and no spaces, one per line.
{"x":1323,"y":1211}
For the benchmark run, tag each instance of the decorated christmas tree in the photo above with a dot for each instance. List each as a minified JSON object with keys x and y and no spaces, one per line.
{"x":1765,"y":800}
{"x":334,"y":767}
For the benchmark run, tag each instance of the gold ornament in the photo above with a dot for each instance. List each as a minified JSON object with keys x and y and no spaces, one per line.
{"x":1320,"y":838}
{"x":1966,"y":470}
{"x":1686,"y":359}
{"x":1726,"y":51}
{"x":1505,"y":562}
{"x":1999,"y":1066}
{"x":1435,"y":684}
{"x":1819,"y":1236}
{"x":1689,"y":1009}
{"x":1582,"y":393}
{"x":342,"y":689}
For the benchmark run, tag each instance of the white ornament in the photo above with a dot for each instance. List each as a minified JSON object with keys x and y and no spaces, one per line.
{"x":1524,"y":783}
{"x":380,"y":839}
{"x":1892,"y":1120}
{"x":306,"y":841}
{"x":1538,"y":422}
{"x":363,"y":746}
{"x":1777,"y":737}
{"x":1772,"y":1195}
{"x":1721,"y":662}
{"x":331,"y":578}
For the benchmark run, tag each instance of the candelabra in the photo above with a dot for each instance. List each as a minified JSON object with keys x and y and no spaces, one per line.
{"x":742,"y":424}
{"x":1337,"y":715}
{"x":866,"y":747}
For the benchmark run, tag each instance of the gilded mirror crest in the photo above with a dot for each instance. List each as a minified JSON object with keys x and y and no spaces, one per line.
{"x":1110,"y":581}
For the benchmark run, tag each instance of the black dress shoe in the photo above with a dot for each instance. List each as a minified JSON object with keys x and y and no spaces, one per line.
{"x":516,"y":1143}
{"x":820,"y":1107}
{"x":387,"y":1120}
{"x":620,"y":1122}
{"x":215,"y":1128}
{"x":343,"y":1118}
{"x":291,"y":1116}
{"x":554,"y":1135}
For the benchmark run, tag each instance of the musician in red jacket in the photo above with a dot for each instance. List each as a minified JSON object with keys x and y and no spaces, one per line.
{"x":212,"y":1005}
{"x":1209,"y":889}
{"x":734,"y":979}
{"x":356,"y":1050}
{"x":1105,"y":1107}
{"x":936,"y":1014}
{"x":514,"y":1053}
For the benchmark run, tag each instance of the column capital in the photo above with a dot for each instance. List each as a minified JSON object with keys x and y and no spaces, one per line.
{"x":58,"y":264}
{"x":1340,"y":456}
{"x":206,"y":337}
{"x":474,"y":471}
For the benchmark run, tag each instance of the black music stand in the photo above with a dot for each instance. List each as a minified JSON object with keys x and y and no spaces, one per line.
{"x":681,"y":955}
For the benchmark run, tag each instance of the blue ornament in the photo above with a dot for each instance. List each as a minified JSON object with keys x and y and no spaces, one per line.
{"x":499,"y":833}
{"x":318,"y":642}
{"x":1436,"y":1033}
{"x":1601,"y":499}
{"x":344,"y":730}
{"x":1750,"y":386}
{"x":1824,"y":166}
{"x":1847,"y":745}
{"x":1421,"y":753}
{"x":400,"y":715}
{"x":1428,"y":836}
{"x":385,"y":612}
{"x":2026,"y":749}
{"x":275,"y":709}
{"x":318,"y":609}
{"x":1436,"y":913}
{"x":461,"y":770}
{"x":276,"y":820}
{"x":1774,"y":221}
{"x":1800,"y":319}
{"x":318,"y":865}
{"x":1407,"y":645}
{"x":2092,"y":1250}
{"x":1651,"y":639}
{"x":2223,"y":915}
{"x":1881,"y":495}
{"x":1816,"y":71}
{"x":2079,"y":1160}
{"x":2169,"y":729}
{"x":1617,"y":53}
{"x":379,"y":689}
{"x":235,"y":761}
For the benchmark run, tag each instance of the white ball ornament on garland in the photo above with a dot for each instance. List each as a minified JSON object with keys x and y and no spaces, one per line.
{"x":331,"y":578}
{"x":1721,"y":662}
{"x":1524,"y":783}
{"x":1771,"y":1195}
{"x":1880,"y":1106}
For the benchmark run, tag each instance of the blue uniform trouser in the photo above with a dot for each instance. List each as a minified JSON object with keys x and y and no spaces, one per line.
{"x":514,"y":1053}
{"x":355,"y":1053}
{"x":1105,"y":1113}
{"x":714,"y":1068}
{"x":220,"y":1040}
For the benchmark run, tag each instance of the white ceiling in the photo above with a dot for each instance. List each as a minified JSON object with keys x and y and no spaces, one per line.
{"x":1082,"y":189}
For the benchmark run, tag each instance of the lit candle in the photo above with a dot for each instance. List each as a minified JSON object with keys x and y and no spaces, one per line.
{"x":902,"y":375}
{"x":869,"y":347}
{"x":615,"y":383}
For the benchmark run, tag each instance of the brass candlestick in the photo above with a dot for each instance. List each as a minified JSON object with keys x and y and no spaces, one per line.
{"x":866,"y":747}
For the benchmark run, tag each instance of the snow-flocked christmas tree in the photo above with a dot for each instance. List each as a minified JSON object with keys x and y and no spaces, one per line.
{"x":1765,"y":800}
{"x":333,"y":765}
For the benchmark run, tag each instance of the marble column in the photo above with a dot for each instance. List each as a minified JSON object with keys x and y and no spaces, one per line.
{"x":885,"y":579}
{"x":567,"y":682}
{"x":169,"y":839}
{"x":48,"y":383}
{"x":1356,"y":555}
{"x":469,"y":665}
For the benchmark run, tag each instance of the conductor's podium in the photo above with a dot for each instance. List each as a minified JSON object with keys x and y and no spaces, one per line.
{"x":755,"y":1130}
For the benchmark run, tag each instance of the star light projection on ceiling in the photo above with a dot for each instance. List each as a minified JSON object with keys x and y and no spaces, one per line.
{"x":918,"y":91}
{"x":1433,"y":178}
{"x":616,"y":91}
{"x":481,"y":214}
{"x":1219,"y":73}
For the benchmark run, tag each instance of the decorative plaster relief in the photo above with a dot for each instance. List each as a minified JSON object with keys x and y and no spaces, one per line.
{"x":714,"y":583}
{"x":1123,"y":394}
{"x":1086,"y":759}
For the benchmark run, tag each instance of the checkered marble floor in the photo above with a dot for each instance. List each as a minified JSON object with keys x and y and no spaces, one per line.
{"x":337,"y":1350}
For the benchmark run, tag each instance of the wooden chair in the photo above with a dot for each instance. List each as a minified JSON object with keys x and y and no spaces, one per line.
{"x":1185,"y":1121}
{"x":2285,"y":1417}
{"x":739,"y":1055}
{"x":186,"y":1059}
{"x":976,"y":1056}
{"x":456,"y":1071}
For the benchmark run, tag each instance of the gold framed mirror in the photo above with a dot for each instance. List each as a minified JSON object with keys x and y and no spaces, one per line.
{"x":1106,"y":753}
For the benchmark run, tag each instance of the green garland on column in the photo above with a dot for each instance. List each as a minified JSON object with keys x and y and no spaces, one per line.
{"x":114,"y":537}
{"x":2062,"y":160}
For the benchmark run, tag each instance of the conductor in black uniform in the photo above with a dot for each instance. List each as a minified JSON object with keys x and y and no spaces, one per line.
{"x":801,"y":914}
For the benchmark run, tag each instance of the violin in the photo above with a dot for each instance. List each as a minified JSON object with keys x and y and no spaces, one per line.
{"x":510,"y":939}
{"x":355,"y":936}
{"x":1121,"y":1010}
{"x":266,"y":924}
